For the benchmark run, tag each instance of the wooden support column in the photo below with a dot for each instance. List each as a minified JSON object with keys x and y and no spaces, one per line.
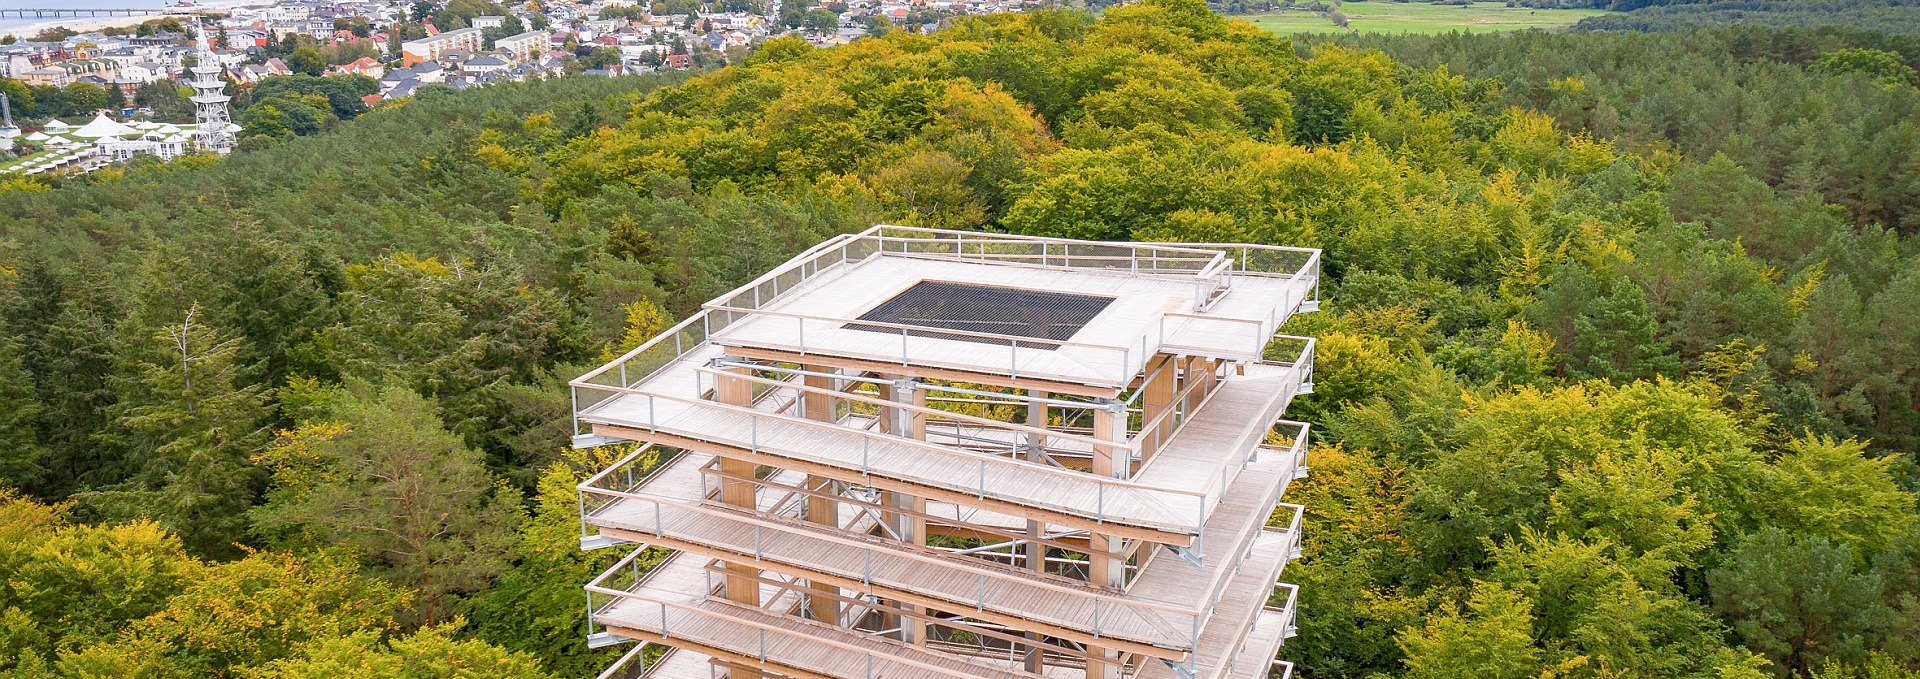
{"x":742,"y":582}
{"x":1036,"y":552}
{"x":1107,"y":553}
{"x":1156,"y":398}
{"x":911,"y":524}
{"x":821,"y":509}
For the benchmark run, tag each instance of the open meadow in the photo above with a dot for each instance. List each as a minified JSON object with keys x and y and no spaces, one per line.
{"x":1420,"y":18}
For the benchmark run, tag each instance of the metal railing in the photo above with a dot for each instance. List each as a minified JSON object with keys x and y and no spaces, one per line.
{"x":992,"y":586}
{"x":660,"y":615}
{"x":991,"y":580}
{"x":1105,"y":500}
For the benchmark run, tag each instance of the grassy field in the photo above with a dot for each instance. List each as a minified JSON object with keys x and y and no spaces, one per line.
{"x":1419,"y":17}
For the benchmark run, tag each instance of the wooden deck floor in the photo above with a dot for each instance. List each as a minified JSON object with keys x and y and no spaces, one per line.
{"x":671,"y":603}
{"x":1206,"y":452}
{"x":1014,"y":483}
{"x":680,"y":663}
{"x":1133,"y":321}
{"x":965,"y":583}
{"x":1222,"y":640}
{"x":1165,"y":581}
{"x":1261,"y":646}
{"x":1200,"y":458}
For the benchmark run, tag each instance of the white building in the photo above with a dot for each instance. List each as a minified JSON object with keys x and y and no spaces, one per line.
{"x":430,"y":48}
{"x":523,"y":47}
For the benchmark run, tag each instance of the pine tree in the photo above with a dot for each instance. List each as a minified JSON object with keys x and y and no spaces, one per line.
{"x":381,"y":476}
{"x":192,"y":429}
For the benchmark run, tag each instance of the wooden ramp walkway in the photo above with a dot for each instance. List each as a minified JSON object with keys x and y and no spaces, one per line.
{"x":1222,"y":641}
{"x":1205,"y":453}
{"x":671,"y":604}
{"x":1172,"y":493}
{"x":671,"y":509}
{"x":1014,"y":484}
{"x":1170,"y":580}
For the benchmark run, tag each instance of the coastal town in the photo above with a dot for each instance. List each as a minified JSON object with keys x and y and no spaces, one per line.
{"x":82,"y":93}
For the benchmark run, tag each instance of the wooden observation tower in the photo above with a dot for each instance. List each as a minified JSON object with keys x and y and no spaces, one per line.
{"x":918,"y":453}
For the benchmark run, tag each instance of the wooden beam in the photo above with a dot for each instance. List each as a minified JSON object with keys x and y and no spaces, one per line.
{"x":740,"y":584}
{"x":742,"y":663}
{"x":883,"y":483}
{"x":823,"y":605}
{"x":1156,"y":398}
{"x":884,"y":367}
{"x":874,"y":589}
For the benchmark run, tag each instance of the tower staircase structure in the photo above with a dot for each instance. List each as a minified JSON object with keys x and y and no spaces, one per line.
{"x":923,"y":453}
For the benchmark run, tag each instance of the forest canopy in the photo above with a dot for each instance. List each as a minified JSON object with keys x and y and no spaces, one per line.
{"x":1616,"y":361}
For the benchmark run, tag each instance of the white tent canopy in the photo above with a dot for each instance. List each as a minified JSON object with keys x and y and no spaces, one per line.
{"x":102,"y":126}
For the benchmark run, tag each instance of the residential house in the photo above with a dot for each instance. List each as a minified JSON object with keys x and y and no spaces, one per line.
{"x":366,"y":66}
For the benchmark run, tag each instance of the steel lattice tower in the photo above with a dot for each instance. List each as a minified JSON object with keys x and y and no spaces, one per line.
{"x":210,"y":99}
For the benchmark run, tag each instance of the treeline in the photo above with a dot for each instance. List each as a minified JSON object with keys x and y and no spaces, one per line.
{"x":203,"y":362}
{"x":1593,"y":402}
{"x":1901,"y":17}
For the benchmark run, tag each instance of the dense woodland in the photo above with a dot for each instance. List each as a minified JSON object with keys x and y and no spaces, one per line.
{"x":1890,"y":16}
{"x":1616,"y":374}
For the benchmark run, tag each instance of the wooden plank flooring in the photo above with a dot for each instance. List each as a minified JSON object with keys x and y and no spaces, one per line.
{"x":1134,"y":320}
{"x":1262,"y":644}
{"x":703,"y":623}
{"x":1015,"y":482}
{"x":1206,"y":451}
{"x":965,"y":583}
{"x":1222,"y":640}
{"x":681,"y":663}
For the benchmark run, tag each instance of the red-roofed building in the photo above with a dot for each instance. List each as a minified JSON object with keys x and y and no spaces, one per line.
{"x":366,"y":66}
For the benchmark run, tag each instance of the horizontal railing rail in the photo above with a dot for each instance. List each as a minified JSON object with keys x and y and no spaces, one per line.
{"x":990,"y":580}
{"x":1108,"y":494}
{"x":662,"y":620}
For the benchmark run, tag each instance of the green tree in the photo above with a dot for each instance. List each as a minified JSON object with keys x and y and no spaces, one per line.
{"x":21,"y":455}
{"x":1831,"y":489}
{"x":380,"y":476}
{"x":240,"y":615}
{"x":1799,"y":601}
{"x":84,"y":98}
{"x":1492,"y":639}
{"x":534,"y":607}
{"x":1884,"y":66}
{"x":166,"y":100}
{"x":431,"y":653}
{"x":192,"y":428}
{"x":73,"y":585}
{"x":306,"y":60}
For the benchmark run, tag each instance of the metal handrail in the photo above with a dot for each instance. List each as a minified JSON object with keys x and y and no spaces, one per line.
{"x":1104,"y":486}
{"x":765,"y":629}
{"x":981,"y":570}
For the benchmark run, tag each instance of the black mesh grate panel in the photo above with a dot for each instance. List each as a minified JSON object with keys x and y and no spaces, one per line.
{"x":982,"y":308}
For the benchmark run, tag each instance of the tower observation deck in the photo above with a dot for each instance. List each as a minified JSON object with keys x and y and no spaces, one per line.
{"x":921,"y":453}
